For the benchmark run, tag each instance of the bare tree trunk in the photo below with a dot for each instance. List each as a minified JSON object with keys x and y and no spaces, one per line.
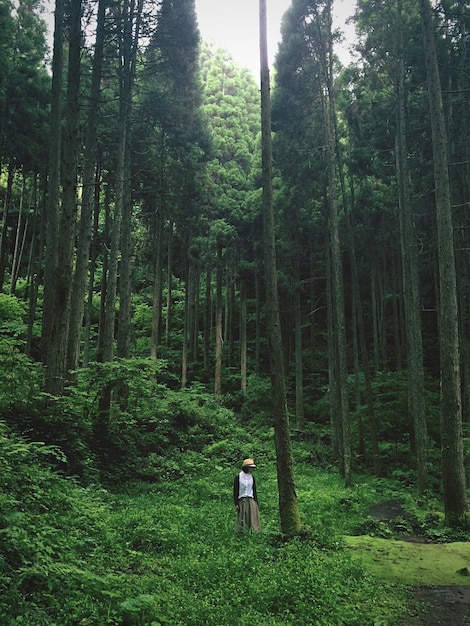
{"x":207,"y":321}
{"x":56,"y":364}
{"x":337,"y":291}
{"x":3,"y":230}
{"x":453,"y":471}
{"x":104,"y":271}
{"x":243,"y":338}
{"x":88,"y":197}
{"x":125,"y":270}
{"x":412,"y":309}
{"x":299,"y":369}
{"x":53,"y":197}
{"x":375,"y":315}
{"x":335,"y":404}
{"x":288,"y":507}
{"x":218,"y":326}
{"x":15,"y":265}
{"x":169,"y":279}
{"x":184,"y":355}
{"x":131,"y":20}
{"x":258,"y":318}
{"x":157,"y":284}
{"x":91,"y":281}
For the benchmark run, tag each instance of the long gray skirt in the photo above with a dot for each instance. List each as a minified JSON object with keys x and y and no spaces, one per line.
{"x":247,"y":516}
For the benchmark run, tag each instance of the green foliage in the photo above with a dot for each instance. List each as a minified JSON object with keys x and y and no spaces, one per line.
{"x":20,"y":378}
{"x":143,"y":554}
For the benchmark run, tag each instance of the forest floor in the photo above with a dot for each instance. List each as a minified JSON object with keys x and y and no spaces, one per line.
{"x":430,"y":603}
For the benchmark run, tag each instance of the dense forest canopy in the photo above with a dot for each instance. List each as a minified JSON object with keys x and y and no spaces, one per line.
{"x":131,"y":239}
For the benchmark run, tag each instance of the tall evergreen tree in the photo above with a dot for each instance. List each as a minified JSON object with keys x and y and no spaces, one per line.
{"x":453,"y":471}
{"x":288,"y":507}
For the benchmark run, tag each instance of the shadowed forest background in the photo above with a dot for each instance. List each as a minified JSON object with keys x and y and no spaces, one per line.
{"x":135,"y":351}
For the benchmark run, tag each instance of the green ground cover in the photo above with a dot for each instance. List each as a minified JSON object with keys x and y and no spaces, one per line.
{"x":165,"y":552}
{"x":413,"y":563}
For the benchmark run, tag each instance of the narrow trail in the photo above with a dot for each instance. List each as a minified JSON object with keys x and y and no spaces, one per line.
{"x":437,"y":575}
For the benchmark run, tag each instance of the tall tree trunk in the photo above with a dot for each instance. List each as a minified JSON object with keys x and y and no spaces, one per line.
{"x":157,"y":283}
{"x":16,"y":260}
{"x":288,"y":507}
{"x":218,"y":326}
{"x":207,"y":321}
{"x":371,"y":414}
{"x":106,"y":236}
{"x":3,"y":231}
{"x":258,"y":318}
{"x":412,"y":309}
{"x":336,"y":256}
{"x":453,"y":471}
{"x":243,"y":338}
{"x":169,"y":278}
{"x":88,"y":197}
{"x":91,"y":280}
{"x":131,"y":21}
{"x":299,"y":367}
{"x":56,"y":366}
{"x":185,"y":347}
{"x":375,"y":315}
{"x":333,"y":378}
{"x":125,"y":270}
{"x":53,"y":197}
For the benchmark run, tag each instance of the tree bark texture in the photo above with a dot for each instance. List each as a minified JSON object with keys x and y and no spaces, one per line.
{"x":88,"y":197}
{"x":288,"y":508}
{"x":56,"y":366}
{"x":409,"y":254}
{"x":453,"y":472}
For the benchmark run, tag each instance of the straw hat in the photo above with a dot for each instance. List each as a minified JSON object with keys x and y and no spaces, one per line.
{"x":248,"y":463}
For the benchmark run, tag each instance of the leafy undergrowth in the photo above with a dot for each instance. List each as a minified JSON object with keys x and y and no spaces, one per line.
{"x":165,"y":552}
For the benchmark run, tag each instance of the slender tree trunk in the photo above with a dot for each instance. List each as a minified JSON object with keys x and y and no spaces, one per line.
{"x":218,"y":327}
{"x":258,"y":319}
{"x":299,"y":367}
{"x":243,"y":338}
{"x":53,"y":197}
{"x":104,"y":271}
{"x":169,"y":273}
{"x":335,"y":404}
{"x":125,"y":270}
{"x":412,"y":309}
{"x":184,"y":355}
{"x":375,"y":315}
{"x":56,"y":366}
{"x":15,"y":265}
{"x":338,"y":295}
{"x":207,"y":321}
{"x":195,"y":310}
{"x":131,"y":20}
{"x":157,"y":284}
{"x":3,"y":230}
{"x":453,"y":471}
{"x":88,"y":197}
{"x":91,"y":280}
{"x":288,"y":507}
{"x":361,"y":449}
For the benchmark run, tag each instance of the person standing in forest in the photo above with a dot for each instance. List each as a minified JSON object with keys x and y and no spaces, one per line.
{"x":245,"y":499}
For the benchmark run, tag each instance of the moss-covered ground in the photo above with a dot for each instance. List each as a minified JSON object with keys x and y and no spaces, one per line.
{"x":413,"y":563}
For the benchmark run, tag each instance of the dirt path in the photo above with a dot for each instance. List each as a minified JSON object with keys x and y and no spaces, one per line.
{"x":439,"y":606}
{"x":430,"y":604}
